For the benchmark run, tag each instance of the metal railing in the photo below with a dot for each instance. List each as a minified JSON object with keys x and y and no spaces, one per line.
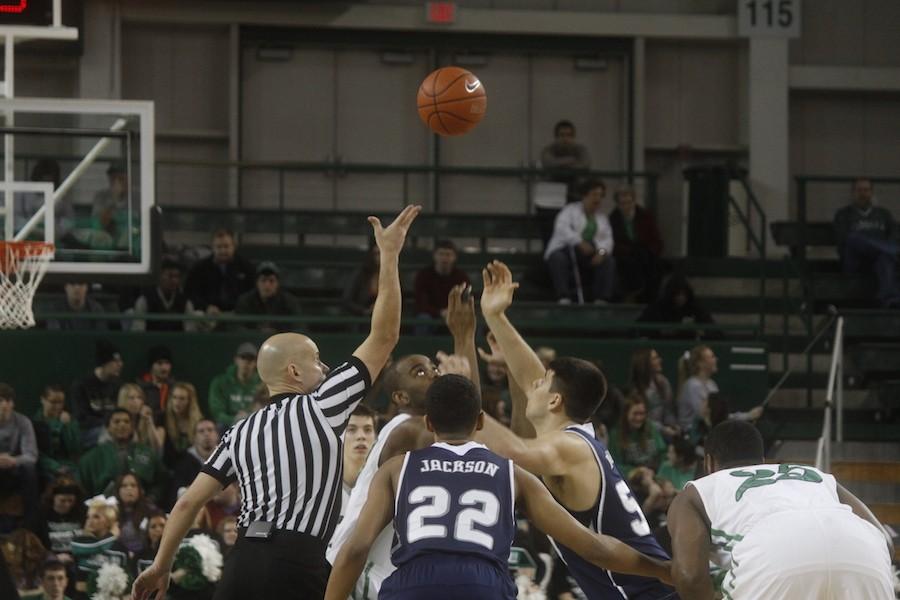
{"x":756,"y":240}
{"x":834,"y":399}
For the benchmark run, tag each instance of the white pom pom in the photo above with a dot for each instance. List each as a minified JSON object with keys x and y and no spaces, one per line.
{"x":210,"y":556}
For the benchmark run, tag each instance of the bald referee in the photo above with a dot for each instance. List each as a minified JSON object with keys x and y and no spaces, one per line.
{"x":286,"y":457}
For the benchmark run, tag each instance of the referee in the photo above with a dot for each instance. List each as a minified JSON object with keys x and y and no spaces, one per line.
{"x":287,"y":457}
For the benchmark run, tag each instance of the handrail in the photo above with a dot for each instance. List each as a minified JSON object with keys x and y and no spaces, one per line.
{"x":788,"y":372}
{"x":758,"y":241}
{"x":835,"y":387}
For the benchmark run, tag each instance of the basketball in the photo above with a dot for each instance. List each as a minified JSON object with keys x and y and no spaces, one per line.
{"x":451,"y":101}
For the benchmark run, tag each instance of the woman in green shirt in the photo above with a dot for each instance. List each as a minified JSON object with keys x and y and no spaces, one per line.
{"x":636,"y":441}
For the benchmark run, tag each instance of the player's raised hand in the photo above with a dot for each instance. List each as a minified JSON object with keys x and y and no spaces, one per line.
{"x":151,"y":584}
{"x":496,"y":356}
{"x":461,"y":312}
{"x":453,"y":364}
{"x":390,"y":239}
{"x":498,"y":289}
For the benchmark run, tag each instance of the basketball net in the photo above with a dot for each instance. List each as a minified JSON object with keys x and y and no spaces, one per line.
{"x":22,"y":266}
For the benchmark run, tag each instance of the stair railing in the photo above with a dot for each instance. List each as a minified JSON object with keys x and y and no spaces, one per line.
{"x":834,"y":399}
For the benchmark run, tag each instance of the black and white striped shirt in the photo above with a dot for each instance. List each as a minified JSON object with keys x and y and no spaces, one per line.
{"x":287,"y":457}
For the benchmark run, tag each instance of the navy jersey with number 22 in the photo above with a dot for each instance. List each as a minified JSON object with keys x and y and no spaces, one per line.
{"x":457,"y":500}
{"x":616,"y":514}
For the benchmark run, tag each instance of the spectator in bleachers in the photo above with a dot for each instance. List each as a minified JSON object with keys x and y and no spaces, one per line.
{"x":18,"y":454}
{"x":99,"y":468}
{"x":680,"y":465}
{"x":168,"y":298}
{"x":268,"y":299}
{"x":148,"y":429}
{"x":362,"y":288}
{"x":231,"y":393}
{"x":25,"y":554}
{"x":62,"y":516}
{"x":564,"y":160}
{"x":95,"y":396}
{"x":158,"y":380}
{"x":99,"y":544}
{"x":867,"y":242}
{"x":676,"y":303}
{"x":582,"y":239}
{"x":638,"y":246}
{"x":28,"y":203}
{"x":54,"y":581}
{"x":110,"y":205}
{"x":182,"y":415}
{"x":695,"y":371}
{"x":134,"y":508}
{"x":57,"y":433}
{"x":152,"y":536}
{"x":227,"y":503}
{"x":228,"y":533}
{"x":433,"y":283}
{"x":77,"y":303}
{"x":186,"y":468}
{"x":713,"y":411}
{"x":215,"y":283}
{"x":636,"y":441}
{"x":647,"y":378}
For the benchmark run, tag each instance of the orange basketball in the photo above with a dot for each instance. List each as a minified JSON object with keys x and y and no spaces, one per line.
{"x":451,"y":101}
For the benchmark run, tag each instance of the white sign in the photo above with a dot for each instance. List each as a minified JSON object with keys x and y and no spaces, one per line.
{"x":768,"y":18}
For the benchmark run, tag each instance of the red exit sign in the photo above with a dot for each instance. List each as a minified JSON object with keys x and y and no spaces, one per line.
{"x":13,"y":6}
{"x":441,"y":13}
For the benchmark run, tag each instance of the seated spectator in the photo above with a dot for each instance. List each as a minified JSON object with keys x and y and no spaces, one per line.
{"x":680,"y":465}
{"x":564,"y":160}
{"x":206,"y":439}
{"x":495,"y":392}
{"x":157,"y":380}
{"x":231,"y":393}
{"x":582,"y":239}
{"x":182,"y":415}
{"x":166,"y":298}
{"x":695,"y":371}
{"x":648,"y":379}
{"x":134,"y":509}
{"x":110,"y":206}
{"x":676,"y":304}
{"x":154,"y":531}
{"x":268,"y":299}
{"x":362,"y":288}
{"x":638,"y":246}
{"x":636,"y":441}
{"x":100,"y":467}
{"x":18,"y":455}
{"x":147,"y":430}
{"x":359,"y":437}
{"x":227,"y":503}
{"x":62,"y":516}
{"x":214,"y":284}
{"x":228,"y":533}
{"x":653,"y":498}
{"x":54,"y":580}
{"x":434,"y":282}
{"x":95,"y":396}
{"x":867,"y":242}
{"x":57,"y":434}
{"x":24,"y":555}
{"x":99,"y":545}
{"x":77,"y":303}
{"x":714,"y":410}
{"x":28,"y":203}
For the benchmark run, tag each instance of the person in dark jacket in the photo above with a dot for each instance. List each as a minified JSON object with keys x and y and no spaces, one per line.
{"x":165,"y":297}
{"x":866,"y":237}
{"x":215,"y":283}
{"x":638,"y":246}
{"x":362,"y":289}
{"x":268,"y":299}
{"x":676,"y":304}
{"x":95,"y":396}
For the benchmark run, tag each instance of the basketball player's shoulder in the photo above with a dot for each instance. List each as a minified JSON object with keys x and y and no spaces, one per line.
{"x":408,"y":435}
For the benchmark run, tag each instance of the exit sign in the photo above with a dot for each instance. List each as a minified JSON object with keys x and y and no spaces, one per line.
{"x":441,"y":13}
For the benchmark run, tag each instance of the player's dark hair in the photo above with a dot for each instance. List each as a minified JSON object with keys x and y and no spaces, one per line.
{"x":735,"y":443}
{"x":118,"y":411}
{"x":581,"y":384}
{"x":453,"y":404}
{"x":560,"y":124}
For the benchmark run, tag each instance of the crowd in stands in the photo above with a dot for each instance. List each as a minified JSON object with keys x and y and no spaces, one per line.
{"x":86,"y":481}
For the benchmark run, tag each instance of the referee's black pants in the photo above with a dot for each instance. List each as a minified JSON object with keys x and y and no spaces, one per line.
{"x":287,"y":565}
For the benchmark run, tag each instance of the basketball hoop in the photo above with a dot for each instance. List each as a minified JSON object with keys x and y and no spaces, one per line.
{"x":22,"y":266}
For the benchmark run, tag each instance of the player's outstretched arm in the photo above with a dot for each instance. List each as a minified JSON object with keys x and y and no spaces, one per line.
{"x":524,"y":365}
{"x":376,"y":513}
{"x":604,"y":551}
{"x":553,"y":454}
{"x":155,"y":578}
{"x":461,"y":323}
{"x":385,"y":329}
{"x":689,"y":528}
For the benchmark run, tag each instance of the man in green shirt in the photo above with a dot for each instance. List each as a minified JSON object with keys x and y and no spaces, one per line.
{"x":99,"y":468}
{"x":58,"y":435}
{"x":53,"y":581}
{"x":231,"y":393}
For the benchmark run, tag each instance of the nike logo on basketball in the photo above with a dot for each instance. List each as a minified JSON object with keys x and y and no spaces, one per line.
{"x":472,"y":86}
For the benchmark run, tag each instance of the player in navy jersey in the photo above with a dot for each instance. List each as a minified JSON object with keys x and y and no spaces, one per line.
{"x":574,"y":465}
{"x":453,"y":507}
